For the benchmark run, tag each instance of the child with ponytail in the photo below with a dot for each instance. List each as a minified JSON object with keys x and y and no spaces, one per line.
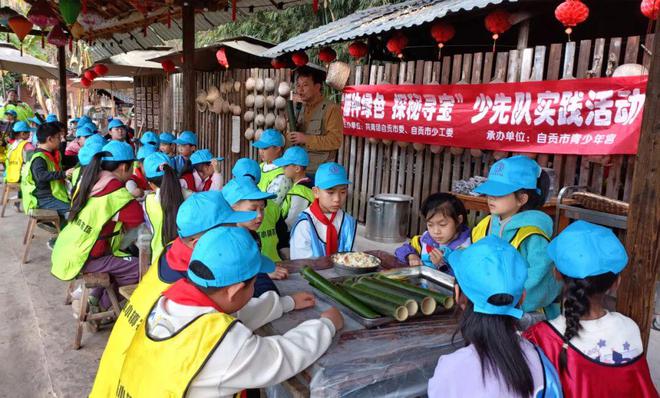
{"x":162,"y":204}
{"x":598,"y":353}
{"x":516,"y":189}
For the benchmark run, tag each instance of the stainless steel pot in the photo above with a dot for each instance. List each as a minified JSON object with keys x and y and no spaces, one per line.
{"x":388,"y":217}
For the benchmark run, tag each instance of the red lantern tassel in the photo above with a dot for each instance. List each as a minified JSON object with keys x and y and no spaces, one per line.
{"x":233,"y":10}
{"x":315,"y":6}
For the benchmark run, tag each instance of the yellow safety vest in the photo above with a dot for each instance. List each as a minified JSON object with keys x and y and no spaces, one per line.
{"x":167,"y":367}
{"x":268,"y":176}
{"x":14,"y":161}
{"x":132,"y":316}
{"x":155,"y":214}
{"x":268,"y":232}
{"x":28,"y":185}
{"x":482,"y":229}
{"x":303,"y":191}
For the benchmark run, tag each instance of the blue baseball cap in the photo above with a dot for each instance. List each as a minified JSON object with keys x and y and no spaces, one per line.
{"x":246,"y":167}
{"x":203,"y":156}
{"x":84,"y":131}
{"x":74,"y":120}
{"x":88,"y":151}
{"x":269,"y":138}
{"x":215,"y":209}
{"x":116,"y":123}
{"x":330,"y":175}
{"x":166,"y":138}
{"x":227,"y":256}
{"x":85,"y":119}
{"x":150,"y":138}
{"x":295,"y":155}
{"x":144,"y":151}
{"x":91,"y":125}
{"x":509,"y":175}
{"x":584,"y":249}
{"x":21,"y":127}
{"x":52,"y":118}
{"x":35,"y":120}
{"x":489,"y":267}
{"x":154,"y":162}
{"x":96,"y":139}
{"x":186,"y":138}
{"x":11,"y":112}
{"x":243,"y":188}
{"x":119,"y":151}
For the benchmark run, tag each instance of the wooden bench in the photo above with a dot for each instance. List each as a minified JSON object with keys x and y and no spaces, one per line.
{"x":9,"y":187}
{"x":36,"y":216}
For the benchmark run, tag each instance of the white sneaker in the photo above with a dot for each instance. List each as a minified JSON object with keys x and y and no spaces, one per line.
{"x":75,"y":306}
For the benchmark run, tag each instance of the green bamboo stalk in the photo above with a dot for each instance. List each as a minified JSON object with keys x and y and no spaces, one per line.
{"x":410,"y":304}
{"x":398,"y":312}
{"x":426,"y":303}
{"x":443,"y":300}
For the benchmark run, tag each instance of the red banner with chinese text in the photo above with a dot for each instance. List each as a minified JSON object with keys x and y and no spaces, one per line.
{"x":600,"y":116}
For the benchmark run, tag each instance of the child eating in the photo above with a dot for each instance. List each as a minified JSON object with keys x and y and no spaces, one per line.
{"x":294,"y":162}
{"x":316,"y":233}
{"x":446,"y":230}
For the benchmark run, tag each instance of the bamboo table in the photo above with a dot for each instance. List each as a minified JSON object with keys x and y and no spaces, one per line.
{"x":394,"y":360}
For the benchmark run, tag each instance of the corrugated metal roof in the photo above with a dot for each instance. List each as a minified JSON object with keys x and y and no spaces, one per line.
{"x":376,"y":20}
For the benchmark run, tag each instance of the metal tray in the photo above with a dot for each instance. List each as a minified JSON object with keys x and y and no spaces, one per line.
{"x":436,"y":280}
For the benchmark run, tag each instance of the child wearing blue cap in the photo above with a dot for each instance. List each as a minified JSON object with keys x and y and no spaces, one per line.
{"x":200,"y":332}
{"x":496,"y":361}
{"x":186,"y":145}
{"x":446,"y":230}
{"x":85,"y":156}
{"x":117,"y":130}
{"x":150,"y":138}
{"x":168,"y":267}
{"x":137,"y":185}
{"x":167,"y":145}
{"x":324,"y":228}
{"x":294,"y":162}
{"x":516,"y":189}
{"x":598,"y":353}
{"x":205,"y":173}
{"x":270,"y":146}
{"x":17,"y":152}
{"x":162,"y":204}
{"x":102,"y":213}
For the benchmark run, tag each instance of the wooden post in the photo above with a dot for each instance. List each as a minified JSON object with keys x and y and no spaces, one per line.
{"x":636,"y":294}
{"x":523,"y":35}
{"x":61,"y":65}
{"x":189,"y":87}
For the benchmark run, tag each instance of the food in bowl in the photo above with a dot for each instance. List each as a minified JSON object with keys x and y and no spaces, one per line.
{"x":356,"y":260}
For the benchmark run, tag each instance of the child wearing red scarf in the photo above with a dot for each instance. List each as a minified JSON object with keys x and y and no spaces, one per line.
{"x":324,"y":228}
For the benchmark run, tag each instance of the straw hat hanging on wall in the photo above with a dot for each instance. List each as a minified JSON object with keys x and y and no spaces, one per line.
{"x":217,"y":105}
{"x":338,"y":73}
{"x":202,"y":104}
{"x":212,"y":94}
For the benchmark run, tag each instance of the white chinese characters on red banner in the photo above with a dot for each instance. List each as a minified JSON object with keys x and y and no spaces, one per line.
{"x":587,"y":116}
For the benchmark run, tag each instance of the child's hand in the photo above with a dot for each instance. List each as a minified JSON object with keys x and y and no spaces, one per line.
{"x":216,"y":165}
{"x":69,"y":172}
{"x":436,"y":257}
{"x":414,"y":260}
{"x":335,"y":317}
{"x":279,"y":273}
{"x":303,"y":300}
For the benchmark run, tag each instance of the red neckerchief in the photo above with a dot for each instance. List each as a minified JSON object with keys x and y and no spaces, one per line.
{"x":207,"y":184}
{"x":178,"y":256}
{"x":190,"y":181}
{"x":185,"y":293}
{"x":331,"y":239}
{"x":54,"y":158}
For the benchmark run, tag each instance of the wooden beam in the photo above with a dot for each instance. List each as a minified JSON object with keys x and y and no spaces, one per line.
{"x":636,"y":294}
{"x":188,"y":68}
{"x":61,"y":65}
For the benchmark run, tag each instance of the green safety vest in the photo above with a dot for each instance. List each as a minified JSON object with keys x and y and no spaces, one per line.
{"x":155,"y":214}
{"x":268,"y":176}
{"x":268,"y":233}
{"x":57,"y":187}
{"x":75,"y":176}
{"x":77,"y":239}
{"x":296,"y":190}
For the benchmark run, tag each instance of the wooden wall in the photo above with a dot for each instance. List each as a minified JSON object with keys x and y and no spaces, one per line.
{"x":150,"y":103}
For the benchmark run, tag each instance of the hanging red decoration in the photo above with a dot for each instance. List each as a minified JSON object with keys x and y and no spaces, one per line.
{"x":221,"y":56}
{"x":168,"y":66}
{"x":233,"y":10}
{"x":442,"y":32}
{"x":277,"y":63}
{"x":397,"y":43}
{"x":42,"y":15}
{"x":358,"y":49}
{"x":315,"y":6}
{"x":650,"y":9}
{"x":57,"y":36}
{"x":571,"y":13}
{"x":300,"y":58}
{"x":85,"y":82}
{"x":90,"y":75}
{"x":497,"y":22}
{"x":21,"y":27}
{"x":327,"y":55}
{"x":100,"y":69}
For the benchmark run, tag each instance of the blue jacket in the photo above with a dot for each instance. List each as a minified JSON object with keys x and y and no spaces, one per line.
{"x":541,"y":286}
{"x":346,"y":234}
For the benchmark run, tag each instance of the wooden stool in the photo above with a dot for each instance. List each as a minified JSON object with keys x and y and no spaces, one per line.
{"x":36,"y":216}
{"x":6,"y":191}
{"x":91,"y":281}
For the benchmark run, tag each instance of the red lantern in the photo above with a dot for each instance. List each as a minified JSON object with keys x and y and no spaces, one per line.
{"x":442,"y":32}
{"x":650,"y":9}
{"x":497,"y":22}
{"x":221,"y":56}
{"x":358,"y":49}
{"x":277,"y":63}
{"x":571,"y":13}
{"x":168,"y":66}
{"x":90,"y":75}
{"x":57,"y":37}
{"x":42,"y":15}
{"x":327,"y":55}
{"x":397,"y":43}
{"x":85,"y":82}
{"x":300,"y":58}
{"x":101,"y":70}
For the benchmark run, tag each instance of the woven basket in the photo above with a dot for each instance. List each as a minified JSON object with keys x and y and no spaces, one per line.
{"x":600,"y":203}
{"x":338,"y":73}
